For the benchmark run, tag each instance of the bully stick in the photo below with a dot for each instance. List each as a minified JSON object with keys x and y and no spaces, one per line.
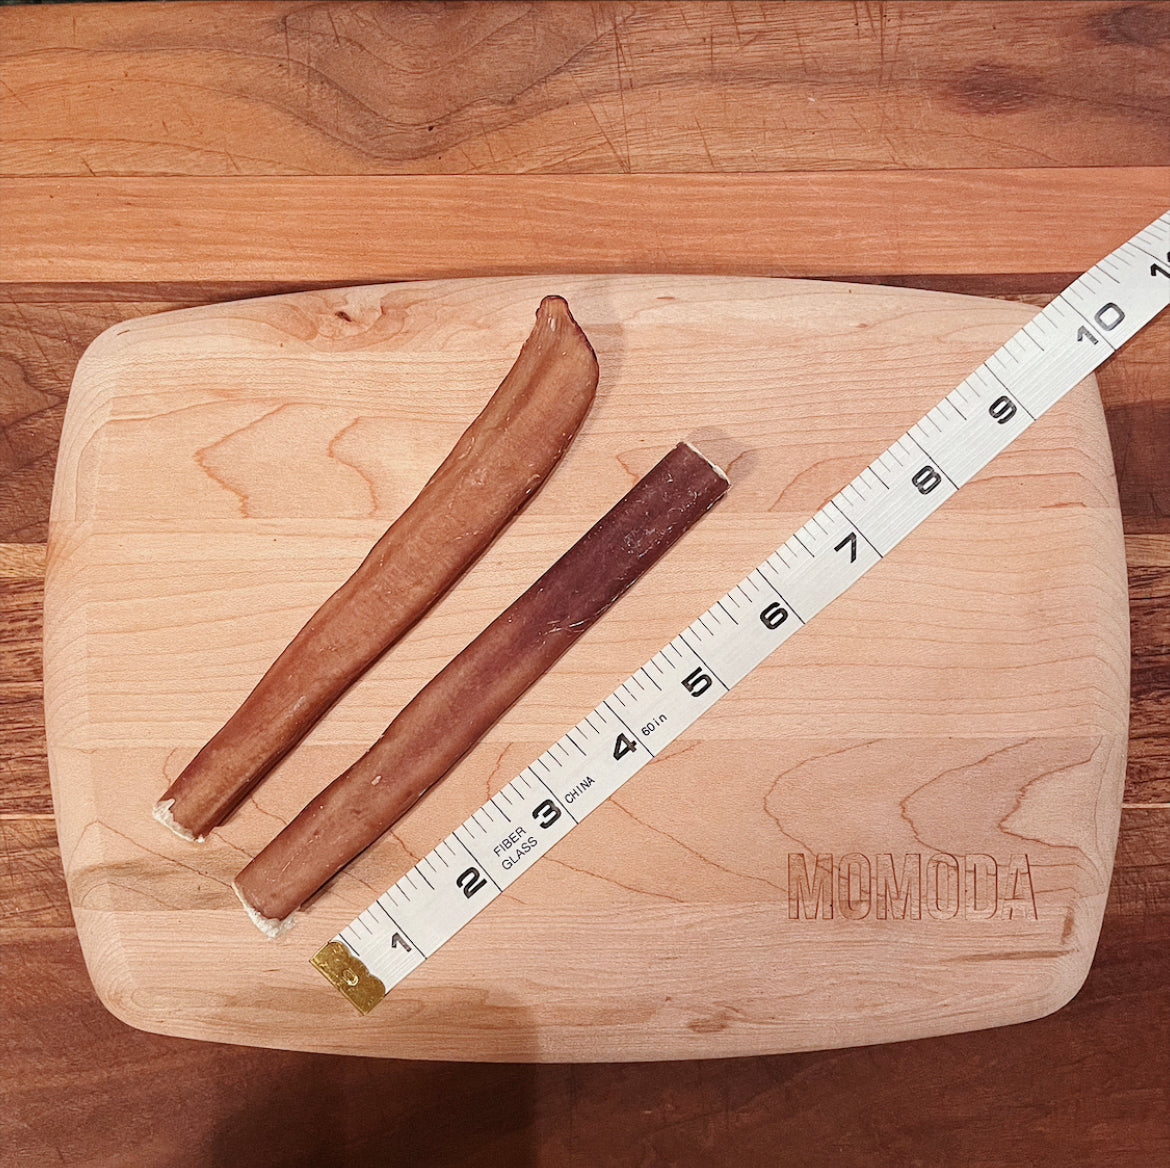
{"x":501,"y":459}
{"x":453,"y":711}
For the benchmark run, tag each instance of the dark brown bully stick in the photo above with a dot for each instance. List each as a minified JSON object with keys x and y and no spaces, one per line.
{"x":503,"y":457}
{"x":453,"y":711}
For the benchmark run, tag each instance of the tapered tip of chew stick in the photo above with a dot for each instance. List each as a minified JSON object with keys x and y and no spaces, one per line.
{"x":162,"y":812}
{"x":554,"y":315}
{"x":553,"y":307}
{"x":271,"y":927}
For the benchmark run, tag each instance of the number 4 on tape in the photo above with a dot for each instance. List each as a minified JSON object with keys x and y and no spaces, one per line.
{"x":1065,"y":342}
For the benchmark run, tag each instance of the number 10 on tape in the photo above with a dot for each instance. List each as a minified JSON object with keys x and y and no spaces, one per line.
{"x":864,"y":522}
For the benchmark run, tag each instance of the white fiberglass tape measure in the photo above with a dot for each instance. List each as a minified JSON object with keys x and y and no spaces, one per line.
{"x":1065,"y":342}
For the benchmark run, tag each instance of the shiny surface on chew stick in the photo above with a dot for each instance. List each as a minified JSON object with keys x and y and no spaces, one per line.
{"x":498,"y":463}
{"x":453,"y":711}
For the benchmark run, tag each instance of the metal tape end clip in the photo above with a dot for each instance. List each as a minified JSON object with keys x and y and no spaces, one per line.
{"x":349,"y":975}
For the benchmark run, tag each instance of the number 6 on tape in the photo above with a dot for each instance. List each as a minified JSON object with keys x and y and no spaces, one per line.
{"x":1065,"y":342}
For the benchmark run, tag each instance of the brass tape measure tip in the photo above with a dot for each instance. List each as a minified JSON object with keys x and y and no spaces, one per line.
{"x":346,"y":971}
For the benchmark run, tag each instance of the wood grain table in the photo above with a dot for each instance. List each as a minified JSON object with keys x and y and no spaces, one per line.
{"x":154,"y":156}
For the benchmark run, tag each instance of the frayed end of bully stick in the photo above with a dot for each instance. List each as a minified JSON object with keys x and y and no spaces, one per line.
{"x":716,"y":468}
{"x":162,"y":812}
{"x":271,"y":927}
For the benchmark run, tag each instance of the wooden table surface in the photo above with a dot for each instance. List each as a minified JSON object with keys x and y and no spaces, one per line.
{"x":155,"y":156}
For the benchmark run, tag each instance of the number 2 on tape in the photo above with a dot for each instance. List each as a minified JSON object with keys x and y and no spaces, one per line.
{"x":955,"y":440}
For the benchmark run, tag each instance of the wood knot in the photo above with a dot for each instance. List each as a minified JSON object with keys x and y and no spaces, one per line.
{"x":1135,"y":24}
{"x":712,"y":1024}
{"x":991,"y":88}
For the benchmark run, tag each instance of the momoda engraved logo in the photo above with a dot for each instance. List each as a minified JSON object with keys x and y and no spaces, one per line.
{"x":910,"y":887}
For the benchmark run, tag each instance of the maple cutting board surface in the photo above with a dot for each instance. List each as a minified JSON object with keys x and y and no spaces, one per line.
{"x":902,"y":824}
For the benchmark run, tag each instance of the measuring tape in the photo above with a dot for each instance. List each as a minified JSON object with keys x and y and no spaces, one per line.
{"x":459,"y":878}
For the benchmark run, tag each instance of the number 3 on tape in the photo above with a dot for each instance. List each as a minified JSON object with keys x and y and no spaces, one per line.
{"x":1065,"y":342}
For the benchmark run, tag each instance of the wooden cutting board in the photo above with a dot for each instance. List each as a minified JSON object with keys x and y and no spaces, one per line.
{"x":901,"y":825}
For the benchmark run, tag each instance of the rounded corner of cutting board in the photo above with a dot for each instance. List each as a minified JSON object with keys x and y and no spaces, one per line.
{"x":124,"y":703}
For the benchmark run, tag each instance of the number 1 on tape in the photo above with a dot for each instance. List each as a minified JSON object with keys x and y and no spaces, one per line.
{"x":1033,"y":370}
